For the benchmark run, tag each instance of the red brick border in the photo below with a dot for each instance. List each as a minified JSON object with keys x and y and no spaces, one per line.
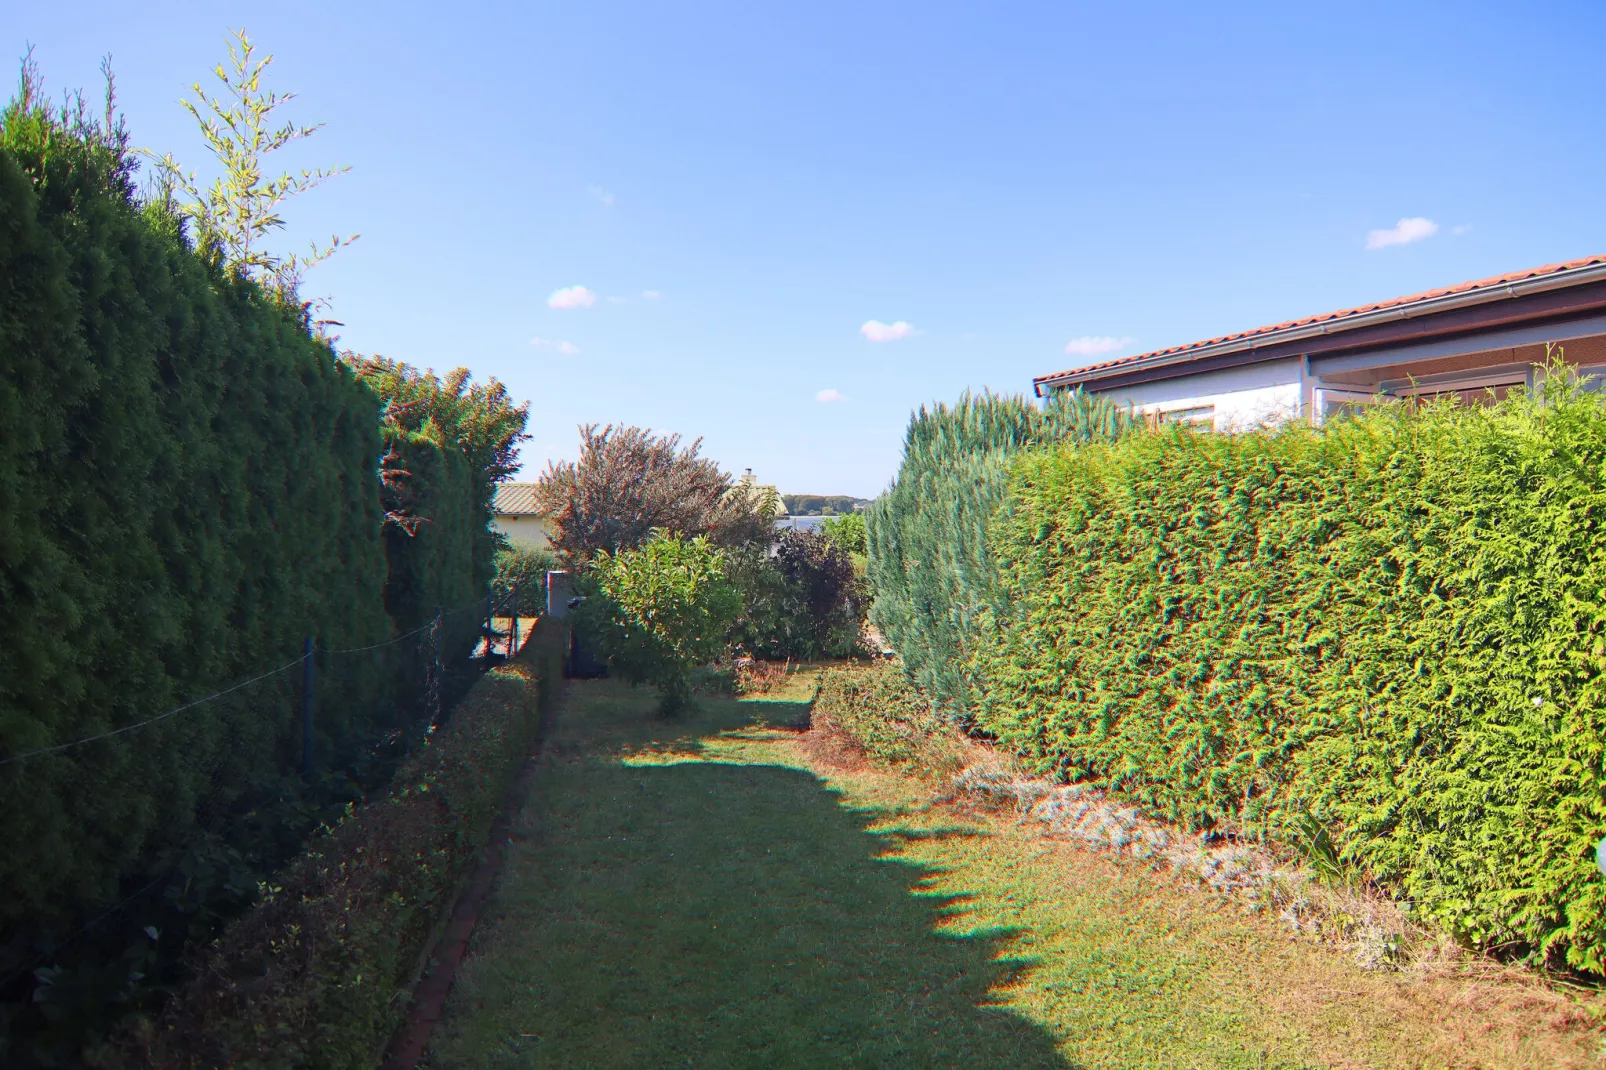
{"x":429,"y":997}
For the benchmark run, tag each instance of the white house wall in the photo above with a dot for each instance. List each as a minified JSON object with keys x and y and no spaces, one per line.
{"x":529,"y":531}
{"x":1242,"y":398}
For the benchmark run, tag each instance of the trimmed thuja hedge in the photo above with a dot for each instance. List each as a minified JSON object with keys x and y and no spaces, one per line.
{"x":1388,"y":634}
{"x":189,"y":486}
{"x":186,"y":490}
{"x":318,"y":973}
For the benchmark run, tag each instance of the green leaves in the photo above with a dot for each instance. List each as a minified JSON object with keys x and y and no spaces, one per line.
{"x":663,"y":609}
{"x":235,"y":215}
{"x":1332,"y":637}
{"x":930,"y":566}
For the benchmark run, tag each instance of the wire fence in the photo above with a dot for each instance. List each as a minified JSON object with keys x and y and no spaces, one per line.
{"x":246,"y":803}
{"x":484,"y":647}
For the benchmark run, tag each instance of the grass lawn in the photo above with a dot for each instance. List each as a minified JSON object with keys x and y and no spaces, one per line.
{"x":699,"y":893}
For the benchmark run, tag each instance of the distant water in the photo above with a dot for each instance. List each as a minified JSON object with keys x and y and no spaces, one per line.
{"x":801,"y":523}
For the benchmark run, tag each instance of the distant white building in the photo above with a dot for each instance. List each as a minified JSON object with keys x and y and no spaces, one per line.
{"x":516,"y":515}
{"x":1466,"y":340}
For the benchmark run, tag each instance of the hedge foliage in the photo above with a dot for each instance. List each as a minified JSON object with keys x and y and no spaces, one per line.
{"x":1390,"y":631}
{"x":318,"y":974}
{"x":189,"y":487}
{"x":930,"y":566}
{"x":888,"y":718}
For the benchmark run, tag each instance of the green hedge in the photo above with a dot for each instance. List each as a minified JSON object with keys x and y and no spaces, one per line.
{"x":930,"y":568}
{"x":318,"y":974}
{"x":1389,"y":633}
{"x":441,"y":562}
{"x":187,"y":489}
{"x":888,"y":718}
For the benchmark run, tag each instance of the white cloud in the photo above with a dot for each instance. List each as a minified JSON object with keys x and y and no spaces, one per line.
{"x":651,"y":295}
{"x":1092,"y":345}
{"x":568,"y":349}
{"x":1404,"y":232}
{"x":1461,"y":229}
{"x":601,"y":194}
{"x":877,"y":331}
{"x":571,"y":297}
{"x":829,"y":395}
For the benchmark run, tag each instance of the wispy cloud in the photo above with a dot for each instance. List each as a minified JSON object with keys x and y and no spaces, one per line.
{"x":601,"y":194}
{"x":616,"y":300}
{"x":1090,"y":345}
{"x":651,"y":295}
{"x":571,"y":297}
{"x":829,"y":395}
{"x":1460,"y":229}
{"x":877,"y":331}
{"x":568,"y":349}
{"x":1404,"y":232}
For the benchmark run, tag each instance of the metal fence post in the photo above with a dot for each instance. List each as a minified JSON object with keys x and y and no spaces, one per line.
{"x":490,"y":630}
{"x":306,"y":708}
{"x":435,"y":677}
{"x":513,"y":633}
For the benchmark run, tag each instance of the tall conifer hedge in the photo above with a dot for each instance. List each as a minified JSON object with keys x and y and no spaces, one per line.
{"x":189,"y":486}
{"x":930,"y":567}
{"x":1389,"y":632}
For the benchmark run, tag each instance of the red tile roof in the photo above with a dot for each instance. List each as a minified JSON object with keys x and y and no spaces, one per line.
{"x":516,"y":499}
{"x":1493,"y":282}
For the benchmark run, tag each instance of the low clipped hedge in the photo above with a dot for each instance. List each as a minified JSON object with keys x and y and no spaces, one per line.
{"x":318,"y":974}
{"x":888,"y":718}
{"x":1389,"y":632}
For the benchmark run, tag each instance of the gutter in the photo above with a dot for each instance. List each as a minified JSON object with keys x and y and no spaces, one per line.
{"x":1425,"y":307}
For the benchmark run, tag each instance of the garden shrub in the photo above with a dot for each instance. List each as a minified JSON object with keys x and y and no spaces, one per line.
{"x":318,"y":973}
{"x":629,"y":483}
{"x":847,"y":532}
{"x":1390,"y":631}
{"x":930,"y":569}
{"x":889,"y":718}
{"x":828,"y":602}
{"x":802,"y":599}
{"x":524,"y":568}
{"x":660,"y":611}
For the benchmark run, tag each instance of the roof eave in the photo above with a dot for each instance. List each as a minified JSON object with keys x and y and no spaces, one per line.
{"x":1424,"y":307}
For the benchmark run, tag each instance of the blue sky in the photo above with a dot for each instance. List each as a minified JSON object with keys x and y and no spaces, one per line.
{"x":1004,"y":179}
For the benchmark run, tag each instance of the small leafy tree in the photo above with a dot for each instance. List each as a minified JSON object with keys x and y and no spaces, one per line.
{"x":234,"y":215}
{"x":661,"y":610}
{"x":847,"y":532}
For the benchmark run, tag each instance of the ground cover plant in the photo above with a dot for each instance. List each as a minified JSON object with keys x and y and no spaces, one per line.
{"x":1382,"y":640}
{"x":882,"y":713}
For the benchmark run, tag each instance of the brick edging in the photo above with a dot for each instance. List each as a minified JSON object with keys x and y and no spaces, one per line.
{"x":428,"y":1001}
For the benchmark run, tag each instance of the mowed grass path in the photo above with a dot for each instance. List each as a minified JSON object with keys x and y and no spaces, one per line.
{"x":697,"y":893}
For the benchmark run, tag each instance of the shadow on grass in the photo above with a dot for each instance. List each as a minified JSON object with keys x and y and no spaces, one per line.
{"x":680,"y":911}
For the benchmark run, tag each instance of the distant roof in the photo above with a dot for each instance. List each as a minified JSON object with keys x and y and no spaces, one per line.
{"x":1568,"y":272}
{"x":516,"y":499}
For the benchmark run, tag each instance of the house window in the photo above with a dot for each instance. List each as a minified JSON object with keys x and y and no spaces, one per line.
{"x":1202,"y":416}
